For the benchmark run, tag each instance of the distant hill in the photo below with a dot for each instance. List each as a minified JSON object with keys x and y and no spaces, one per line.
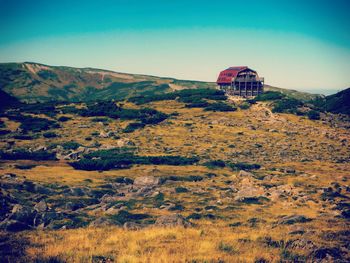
{"x":336,"y":103}
{"x":33,"y":82}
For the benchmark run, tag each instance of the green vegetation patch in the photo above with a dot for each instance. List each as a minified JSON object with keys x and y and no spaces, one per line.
{"x":269,"y":95}
{"x":115,"y":159}
{"x":33,"y":124}
{"x":186,"y":96}
{"x":22,"y":154}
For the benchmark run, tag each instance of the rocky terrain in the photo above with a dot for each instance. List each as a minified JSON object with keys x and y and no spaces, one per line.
{"x":181,"y":177}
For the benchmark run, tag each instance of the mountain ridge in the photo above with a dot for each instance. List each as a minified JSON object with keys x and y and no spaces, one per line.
{"x":37,"y":82}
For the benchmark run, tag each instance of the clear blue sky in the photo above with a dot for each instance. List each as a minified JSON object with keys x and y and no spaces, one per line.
{"x":293,"y":44}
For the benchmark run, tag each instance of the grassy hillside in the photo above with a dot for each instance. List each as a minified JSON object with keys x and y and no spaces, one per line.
{"x":32,"y":82}
{"x":186,"y":178}
{"x":336,"y":103}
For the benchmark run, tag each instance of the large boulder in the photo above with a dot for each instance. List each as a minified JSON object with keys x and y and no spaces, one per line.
{"x":149,"y":181}
{"x":173,"y":220}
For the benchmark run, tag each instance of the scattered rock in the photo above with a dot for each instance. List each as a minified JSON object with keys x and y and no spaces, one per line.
{"x":9,"y":176}
{"x":243,"y":174}
{"x":150,"y":181}
{"x":41,"y":206}
{"x":101,"y":221}
{"x":133,"y":226}
{"x":302,"y":244}
{"x":172,"y":221}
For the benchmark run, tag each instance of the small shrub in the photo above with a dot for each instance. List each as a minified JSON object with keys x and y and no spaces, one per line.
{"x":269,"y":95}
{"x":286,"y":105}
{"x":219,"y":106}
{"x":33,"y":124}
{"x":25,"y":166}
{"x":181,"y":190}
{"x":227,"y":248}
{"x":133,"y":127}
{"x":4,"y":132}
{"x":49,"y":135}
{"x":215,"y":164}
{"x":22,"y":154}
{"x":23,"y":137}
{"x":313,"y":115}
{"x":124,"y":216}
{"x":244,"y":166}
{"x":100,"y":119}
{"x":245,"y":105}
{"x":64,"y":118}
{"x":70,"y":145}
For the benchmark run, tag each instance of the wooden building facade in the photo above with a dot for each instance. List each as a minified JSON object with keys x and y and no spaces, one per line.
{"x":240,"y":81}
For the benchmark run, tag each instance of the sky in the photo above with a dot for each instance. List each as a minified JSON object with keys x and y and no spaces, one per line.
{"x":298,"y":44}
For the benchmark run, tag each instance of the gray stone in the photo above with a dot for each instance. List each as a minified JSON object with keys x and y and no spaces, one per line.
{"x":146,"y":181}
{"x":41,"y":206}
{"x":101,"y":221}
{"x":132,"y":226}
{"x":173,"y":220}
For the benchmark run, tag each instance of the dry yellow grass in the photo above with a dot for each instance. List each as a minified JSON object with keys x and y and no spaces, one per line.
{"x":247,"y":136}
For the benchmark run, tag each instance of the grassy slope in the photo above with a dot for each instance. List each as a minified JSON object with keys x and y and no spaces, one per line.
{"x":36,"y":82}
{"x":285,"y":141}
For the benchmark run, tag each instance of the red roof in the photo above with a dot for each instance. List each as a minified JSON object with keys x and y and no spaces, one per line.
{"x":227,"y":75}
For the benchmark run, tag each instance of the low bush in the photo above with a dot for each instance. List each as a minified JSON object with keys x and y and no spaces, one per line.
{"x":33,"y":124}
{"x":133,"y":127}
{"x":245,"y":105}
{"x":100,"y":119}
{"x":4,"y":132}
{"x":22,"y":154}
{"x":110,"y":109}
{"x":227,"y":248}
{"x":64,"y":118}
{"x":313,"y":115}
{"x":220,"y":106}
{"x":47,"y":108}
{"x":125,"y":216}
{"x":49,"y":135}
{"x":215,"y":164}
{"x":186,"y":96}
{"x":269,"y":95}
{"x":70,"y":145}
{"x":181,"y":190}
{"x":25,"y":166}
{"x":120,"y":159}
{"x":244,"y":166}
{"x":23,"y":137}
{"x":286,"y":105}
